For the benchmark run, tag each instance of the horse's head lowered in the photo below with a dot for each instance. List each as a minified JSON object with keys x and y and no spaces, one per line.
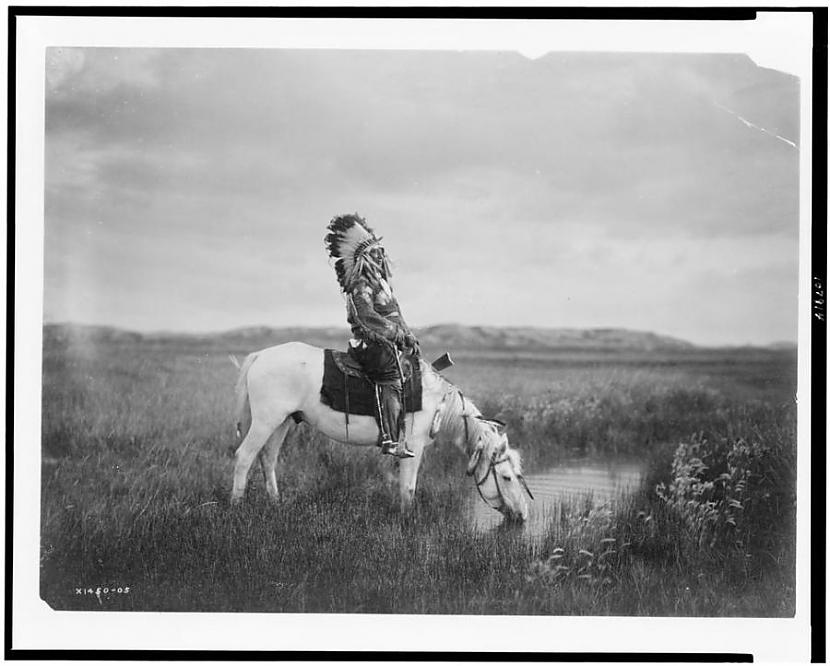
{"x":497,"y":471}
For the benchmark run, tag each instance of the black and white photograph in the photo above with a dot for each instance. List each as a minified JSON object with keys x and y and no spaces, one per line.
{"x":415,"y":321}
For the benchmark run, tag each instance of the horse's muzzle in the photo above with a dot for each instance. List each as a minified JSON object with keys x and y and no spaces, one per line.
{"x":514,"y":517}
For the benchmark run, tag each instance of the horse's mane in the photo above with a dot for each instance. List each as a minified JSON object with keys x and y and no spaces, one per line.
{"x":451,"y":426}
{"x":515,"y":459}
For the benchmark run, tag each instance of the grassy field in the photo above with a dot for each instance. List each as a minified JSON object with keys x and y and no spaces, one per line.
{"x":135,"y":480}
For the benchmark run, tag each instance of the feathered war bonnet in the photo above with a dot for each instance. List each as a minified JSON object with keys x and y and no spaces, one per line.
{"x":349,"y":242}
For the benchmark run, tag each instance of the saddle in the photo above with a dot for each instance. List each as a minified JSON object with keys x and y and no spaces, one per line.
{"x":346,"y":388}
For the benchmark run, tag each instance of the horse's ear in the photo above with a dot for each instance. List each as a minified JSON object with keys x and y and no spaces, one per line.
{"x":500,"y":425}
{"x":501,"y":449}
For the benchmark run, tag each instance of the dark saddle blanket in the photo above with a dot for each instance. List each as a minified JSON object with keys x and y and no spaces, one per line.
{"x":346,"y":389}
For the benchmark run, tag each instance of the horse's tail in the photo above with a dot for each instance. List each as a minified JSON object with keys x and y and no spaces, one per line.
{"x":243,"y":405}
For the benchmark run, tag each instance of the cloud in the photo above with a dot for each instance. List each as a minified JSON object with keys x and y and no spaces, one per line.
{"x":72,"y":70}
{"x":595,"y":177}
{"x":61,"y":64}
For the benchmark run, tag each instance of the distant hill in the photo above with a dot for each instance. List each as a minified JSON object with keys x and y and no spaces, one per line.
{"x":65,"y":333}
{"x":783,"y":346}
{"x":442,"y":336}
{"x":436,"y":338}
{"x":528,"y":338}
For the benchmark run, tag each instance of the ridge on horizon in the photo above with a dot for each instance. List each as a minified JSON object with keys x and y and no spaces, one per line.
{"x":443,"y":334}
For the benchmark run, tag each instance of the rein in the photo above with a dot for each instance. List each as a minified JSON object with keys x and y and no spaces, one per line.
{"x":465,"y":416}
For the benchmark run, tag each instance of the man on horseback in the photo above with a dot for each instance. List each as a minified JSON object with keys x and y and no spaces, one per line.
{"x":380,"y":334}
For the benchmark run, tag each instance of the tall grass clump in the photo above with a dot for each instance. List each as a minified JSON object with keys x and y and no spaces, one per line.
{"x":633,"y":415}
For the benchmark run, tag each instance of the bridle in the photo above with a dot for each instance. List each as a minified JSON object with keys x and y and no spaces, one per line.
{"x":492,"y":463}
{"x":491,"y":469}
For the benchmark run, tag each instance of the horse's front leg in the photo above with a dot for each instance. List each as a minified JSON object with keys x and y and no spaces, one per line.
{"x":408,"y":474}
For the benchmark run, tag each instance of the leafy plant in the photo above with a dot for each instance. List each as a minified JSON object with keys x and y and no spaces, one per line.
{"x":730,"y":492}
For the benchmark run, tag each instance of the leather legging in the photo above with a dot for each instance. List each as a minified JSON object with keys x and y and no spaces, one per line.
{"x":378,"y":362}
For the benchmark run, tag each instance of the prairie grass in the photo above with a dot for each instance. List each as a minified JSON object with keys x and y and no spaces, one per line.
{"x":136,"y":476}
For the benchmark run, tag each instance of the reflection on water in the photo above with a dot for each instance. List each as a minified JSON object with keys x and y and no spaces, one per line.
{"x":586,"y":482}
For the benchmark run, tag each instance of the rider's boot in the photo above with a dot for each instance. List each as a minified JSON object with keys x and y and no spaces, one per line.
{"x":390,"y":402}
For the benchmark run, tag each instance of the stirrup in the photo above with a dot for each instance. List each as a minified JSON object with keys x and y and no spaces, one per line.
{"x":397,"y":449}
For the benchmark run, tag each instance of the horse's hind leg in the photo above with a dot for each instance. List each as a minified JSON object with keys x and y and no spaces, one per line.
{"x":257,"y":436}
{"x":268,"y":458}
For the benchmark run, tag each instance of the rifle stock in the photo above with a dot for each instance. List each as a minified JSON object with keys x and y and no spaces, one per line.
{"x":442,"y":362}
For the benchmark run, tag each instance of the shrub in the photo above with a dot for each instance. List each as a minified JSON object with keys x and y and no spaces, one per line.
{"x":731,"y":492}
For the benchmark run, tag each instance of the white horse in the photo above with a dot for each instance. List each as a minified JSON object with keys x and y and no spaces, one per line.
{"x":282,"y":382}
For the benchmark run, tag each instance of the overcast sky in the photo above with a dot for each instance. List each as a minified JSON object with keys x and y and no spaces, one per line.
{"x":189,"y":189}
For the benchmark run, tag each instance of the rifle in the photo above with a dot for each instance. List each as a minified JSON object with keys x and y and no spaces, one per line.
{"x":442,"y":362}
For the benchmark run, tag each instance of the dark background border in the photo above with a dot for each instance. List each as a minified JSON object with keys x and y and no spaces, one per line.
{"x":818,"y":575}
